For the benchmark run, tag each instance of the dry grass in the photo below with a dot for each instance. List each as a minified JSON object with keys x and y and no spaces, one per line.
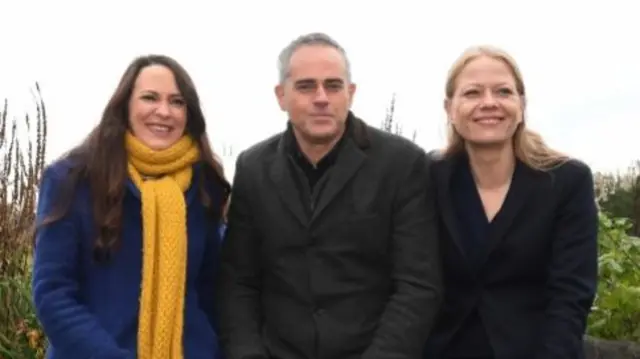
{"x":22,"y":153}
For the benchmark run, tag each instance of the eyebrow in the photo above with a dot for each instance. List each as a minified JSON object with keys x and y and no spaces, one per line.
{"x":313,"y":81}
{"x":176,"y":94}
{"x":475,"y":84}
{"x":334,"y":81}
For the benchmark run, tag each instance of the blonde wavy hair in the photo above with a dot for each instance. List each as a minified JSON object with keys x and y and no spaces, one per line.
{"x":529,"y":147}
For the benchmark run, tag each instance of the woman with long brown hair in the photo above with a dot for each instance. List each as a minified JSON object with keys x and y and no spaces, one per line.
{"x":518,"y":225}
{"x":127,"y":227}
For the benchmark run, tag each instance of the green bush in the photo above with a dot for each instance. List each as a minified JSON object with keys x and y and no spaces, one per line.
{"x":21,"y":336}
{"x":616,"y":313}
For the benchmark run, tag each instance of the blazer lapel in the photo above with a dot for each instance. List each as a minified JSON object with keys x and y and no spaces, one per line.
{"x":524,"y":183}
{"x":349,"y":161}
{"x":350,"y":158}
{"x":282,"y":177}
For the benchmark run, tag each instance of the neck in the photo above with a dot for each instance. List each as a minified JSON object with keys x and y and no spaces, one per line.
{"x":492,"y":167}
{"x":314,"y":152}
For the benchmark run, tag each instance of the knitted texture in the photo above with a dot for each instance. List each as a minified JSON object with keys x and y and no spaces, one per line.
{"x":164,"y":249}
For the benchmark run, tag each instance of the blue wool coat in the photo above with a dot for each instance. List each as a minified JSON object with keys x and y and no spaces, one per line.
{"x":90,"y":310}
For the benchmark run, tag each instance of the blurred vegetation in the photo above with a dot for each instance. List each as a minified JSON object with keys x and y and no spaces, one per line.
{"x":616,"y":314}
{"x":22,"y":150}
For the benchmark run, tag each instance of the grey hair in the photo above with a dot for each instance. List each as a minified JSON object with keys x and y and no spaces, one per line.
{"x":315,"y":38}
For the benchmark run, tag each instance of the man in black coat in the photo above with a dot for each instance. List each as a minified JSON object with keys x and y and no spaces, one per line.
{"x":331,"y":248}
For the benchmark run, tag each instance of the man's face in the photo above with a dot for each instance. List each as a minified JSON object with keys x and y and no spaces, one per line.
{"x":317,"y":94}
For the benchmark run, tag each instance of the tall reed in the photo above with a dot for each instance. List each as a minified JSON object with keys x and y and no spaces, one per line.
{"x":22,"y":155}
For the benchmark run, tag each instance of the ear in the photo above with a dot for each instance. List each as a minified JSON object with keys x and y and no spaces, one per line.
{"x":279,"y":92}
{"x":352,"y":91}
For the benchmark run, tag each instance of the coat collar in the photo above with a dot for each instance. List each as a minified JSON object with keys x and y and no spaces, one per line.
{"x":525,"y":183}
{"x":350,"y":156}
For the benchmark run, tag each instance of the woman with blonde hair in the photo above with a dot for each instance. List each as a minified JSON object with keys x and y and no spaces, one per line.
{"x":128,"y":227}
{"x":518,"y":225}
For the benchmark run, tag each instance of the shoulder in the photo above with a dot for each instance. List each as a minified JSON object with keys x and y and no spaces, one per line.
{"x":572,"y":170}
{"x":59,"y":173}
{"x":571,"y":173}
{"x":573,"y":176}
{"x":395,"y":146}
{"x":259,"y":151}
{"x":58,"y":170}
{"x":61,"y":181}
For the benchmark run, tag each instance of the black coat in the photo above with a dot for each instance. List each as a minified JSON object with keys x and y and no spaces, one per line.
{"x":535,"y":287}
{"x":359,"y":278}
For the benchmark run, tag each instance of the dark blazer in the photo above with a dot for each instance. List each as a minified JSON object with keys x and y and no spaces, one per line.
{"x":358,"y":279}
{"x":535,"y":286}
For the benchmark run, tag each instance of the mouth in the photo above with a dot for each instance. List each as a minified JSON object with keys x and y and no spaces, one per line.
{"x":159,"y":130}
{"x":488,"y":120}
{"x":321,"y":119}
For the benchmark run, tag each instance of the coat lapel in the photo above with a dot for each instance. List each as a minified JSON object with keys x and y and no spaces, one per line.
{"x":282,"y":177}
{"x":350,"y":158}
{"x":524,"y":183}
{"x":349,"y":161}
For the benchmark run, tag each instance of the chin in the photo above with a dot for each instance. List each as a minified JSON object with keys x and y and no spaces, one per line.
{"x":321,"y":137}
{"x":488,"y":142}
{"x":320,"y":133}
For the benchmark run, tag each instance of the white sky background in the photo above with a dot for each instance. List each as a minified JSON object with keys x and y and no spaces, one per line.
{"x":579,"y":60}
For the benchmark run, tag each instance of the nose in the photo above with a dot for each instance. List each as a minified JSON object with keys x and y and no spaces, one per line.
{"x":321,"y":98}
{"x":489,"y":99}
{"x":163,"y":109}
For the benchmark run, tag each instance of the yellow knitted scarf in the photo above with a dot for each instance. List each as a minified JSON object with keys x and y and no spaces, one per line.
{"x":164,"y":249}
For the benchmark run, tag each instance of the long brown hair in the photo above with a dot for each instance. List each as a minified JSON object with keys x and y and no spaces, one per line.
{"x":101,"y":159}
{"x":529,"y":146}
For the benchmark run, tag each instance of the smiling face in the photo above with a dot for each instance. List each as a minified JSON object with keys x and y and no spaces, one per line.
{"x":317,"y":94}
{"x":485,"y":108}
{"x":157,"y":111}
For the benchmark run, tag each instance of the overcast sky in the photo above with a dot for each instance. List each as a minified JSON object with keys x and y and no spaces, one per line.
{"x":579,"y":60}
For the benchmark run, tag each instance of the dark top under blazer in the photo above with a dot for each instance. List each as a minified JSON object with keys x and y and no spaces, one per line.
{"x":358,"y":278}
{"x":535,"y":286}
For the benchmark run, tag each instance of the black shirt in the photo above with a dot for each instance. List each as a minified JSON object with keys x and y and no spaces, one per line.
{"x":309,"y":177}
